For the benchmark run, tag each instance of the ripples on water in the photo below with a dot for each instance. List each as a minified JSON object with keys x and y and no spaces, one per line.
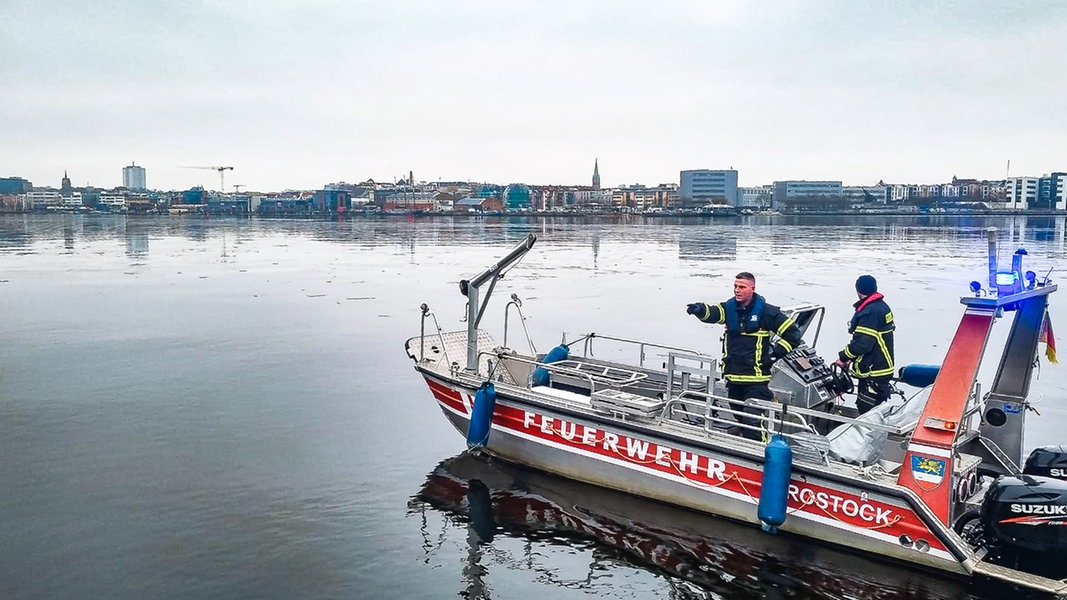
{"x":222,"y":408}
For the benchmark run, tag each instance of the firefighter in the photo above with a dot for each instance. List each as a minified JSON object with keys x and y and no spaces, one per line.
{"x":748,"y":351}
{"x":870,"y":352}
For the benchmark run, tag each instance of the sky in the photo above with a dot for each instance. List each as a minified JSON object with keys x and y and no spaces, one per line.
{"x":295,"y":95}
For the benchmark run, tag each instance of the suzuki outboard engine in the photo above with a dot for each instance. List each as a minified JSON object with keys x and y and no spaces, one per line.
{"x":1048,"y":461}
{"x":1024,"y":524}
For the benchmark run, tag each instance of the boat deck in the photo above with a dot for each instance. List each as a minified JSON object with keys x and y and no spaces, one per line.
{"x":631,"y":394}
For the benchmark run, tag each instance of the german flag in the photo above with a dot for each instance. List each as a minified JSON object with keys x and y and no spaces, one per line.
{"x":1049,"y":338}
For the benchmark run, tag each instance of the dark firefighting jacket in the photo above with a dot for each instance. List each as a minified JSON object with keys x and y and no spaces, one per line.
{"x":871,"y":347}
{"x":747,"y":349}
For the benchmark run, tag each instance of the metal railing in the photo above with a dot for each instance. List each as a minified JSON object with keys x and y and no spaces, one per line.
{"x":642,"y":346}
{"x":426,"y":312}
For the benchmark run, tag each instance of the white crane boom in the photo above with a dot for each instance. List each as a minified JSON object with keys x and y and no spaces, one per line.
{"x":222,"y":175}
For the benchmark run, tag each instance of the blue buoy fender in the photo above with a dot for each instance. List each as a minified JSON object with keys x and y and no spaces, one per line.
{"x":919,"y":376}
{"x":540,"y":374}
{"x":481,"y":415}
{"x":774,"y":493}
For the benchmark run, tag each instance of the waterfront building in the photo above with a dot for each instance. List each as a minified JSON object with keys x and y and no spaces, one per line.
{"x":74,"y":200}
{"x":14,"y":185}
{"x":133,"y":178}
{"x":193,"y":196}
{"x":489,"y":190}
{"x":332,"y":201}
{"x":904,"y":194}
{"x":43,"y":198}
{"x":969,"y":189}
{"x":552,"y":197}
{"x":517,"y":196}
{"x":948,"y":191}
{"x":589,"y":199}
{"x":640,"y":198}
{"x":137,"y":202}
{"x":755,"y":198}
{"x":284,"y":206}
{"x":1052,"y":191}
{"x":14,"y":203}
{"x":408,"y":201}
{"x":808,"y":195}
{"x":1021,"y":193}
{"x":858,"y":195}
{"x":699,"y":187}
{"x":471,"y":204}
{"x":112,"y":202}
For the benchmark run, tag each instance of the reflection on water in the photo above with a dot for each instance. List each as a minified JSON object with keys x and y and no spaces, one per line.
{"x":706,"y":239}
{"x":695,"y":556}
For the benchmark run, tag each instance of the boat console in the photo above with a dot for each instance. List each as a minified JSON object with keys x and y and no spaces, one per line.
{"x":802,"y":378}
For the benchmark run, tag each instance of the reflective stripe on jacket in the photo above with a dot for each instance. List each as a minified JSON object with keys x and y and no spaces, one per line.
{"x":748,"y":353}
{"x":871,"y":347}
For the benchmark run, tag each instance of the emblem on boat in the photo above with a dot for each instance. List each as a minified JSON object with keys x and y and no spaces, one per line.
{"x":929,"y":470}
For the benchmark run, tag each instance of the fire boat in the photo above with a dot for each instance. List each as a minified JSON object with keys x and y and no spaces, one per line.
{"x":934,"y":478}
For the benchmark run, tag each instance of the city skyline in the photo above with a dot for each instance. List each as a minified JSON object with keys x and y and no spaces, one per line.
{"x":478,"y":91}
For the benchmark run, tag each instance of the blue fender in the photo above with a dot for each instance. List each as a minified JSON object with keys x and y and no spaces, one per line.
{"x":774,"y":493}
{"x":541,"y":376}
{"x":481,"y":415}
{"x":919,"y":376}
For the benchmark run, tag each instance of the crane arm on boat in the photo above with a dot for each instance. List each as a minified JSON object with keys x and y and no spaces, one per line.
{"x":469,"y":288}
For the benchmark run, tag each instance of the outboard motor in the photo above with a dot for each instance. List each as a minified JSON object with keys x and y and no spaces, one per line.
{"x":1024,"y":524}
{"x":1048,"y":461}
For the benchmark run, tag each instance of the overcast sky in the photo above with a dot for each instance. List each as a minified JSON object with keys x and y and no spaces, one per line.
{"x":300,"y":94}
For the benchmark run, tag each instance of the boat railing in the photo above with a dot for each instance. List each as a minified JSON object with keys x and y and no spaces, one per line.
{"x":687,"y":370}
{"x":595,"y":375}
{"x":642,"y":346}
{"x":426,"y":312}
{"x":774,"y":408}
{"x":608,"y":375}
{"x":722,"y":415}
{"x":517,"y":303}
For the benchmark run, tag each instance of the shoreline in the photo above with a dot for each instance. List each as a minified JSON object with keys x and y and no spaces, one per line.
{"x":556,"y":214}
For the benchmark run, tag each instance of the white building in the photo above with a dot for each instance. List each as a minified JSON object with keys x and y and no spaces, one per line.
{"x":755,"y":198}
{"x":44,"y":198}
{"x":133,"y":177}
{"x":74,"y":200}
{"x":1021,"y":193}
{"x":114,"y":202}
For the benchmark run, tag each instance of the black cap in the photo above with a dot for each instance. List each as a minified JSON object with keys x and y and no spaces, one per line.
{"x":866,"y":285}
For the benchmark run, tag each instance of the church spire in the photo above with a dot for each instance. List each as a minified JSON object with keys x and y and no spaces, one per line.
{"x":596,"y":174}
{"x":65,"y":189}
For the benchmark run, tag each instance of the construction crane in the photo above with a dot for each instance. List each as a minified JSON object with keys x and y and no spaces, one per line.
{"x":222,"y":173}
{"x":237,"y":187}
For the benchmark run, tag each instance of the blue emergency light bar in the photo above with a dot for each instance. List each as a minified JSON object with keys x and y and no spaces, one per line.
{"x":1006,"y":278}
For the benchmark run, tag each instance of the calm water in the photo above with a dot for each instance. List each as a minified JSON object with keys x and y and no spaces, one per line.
{"x":223,"y":409}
